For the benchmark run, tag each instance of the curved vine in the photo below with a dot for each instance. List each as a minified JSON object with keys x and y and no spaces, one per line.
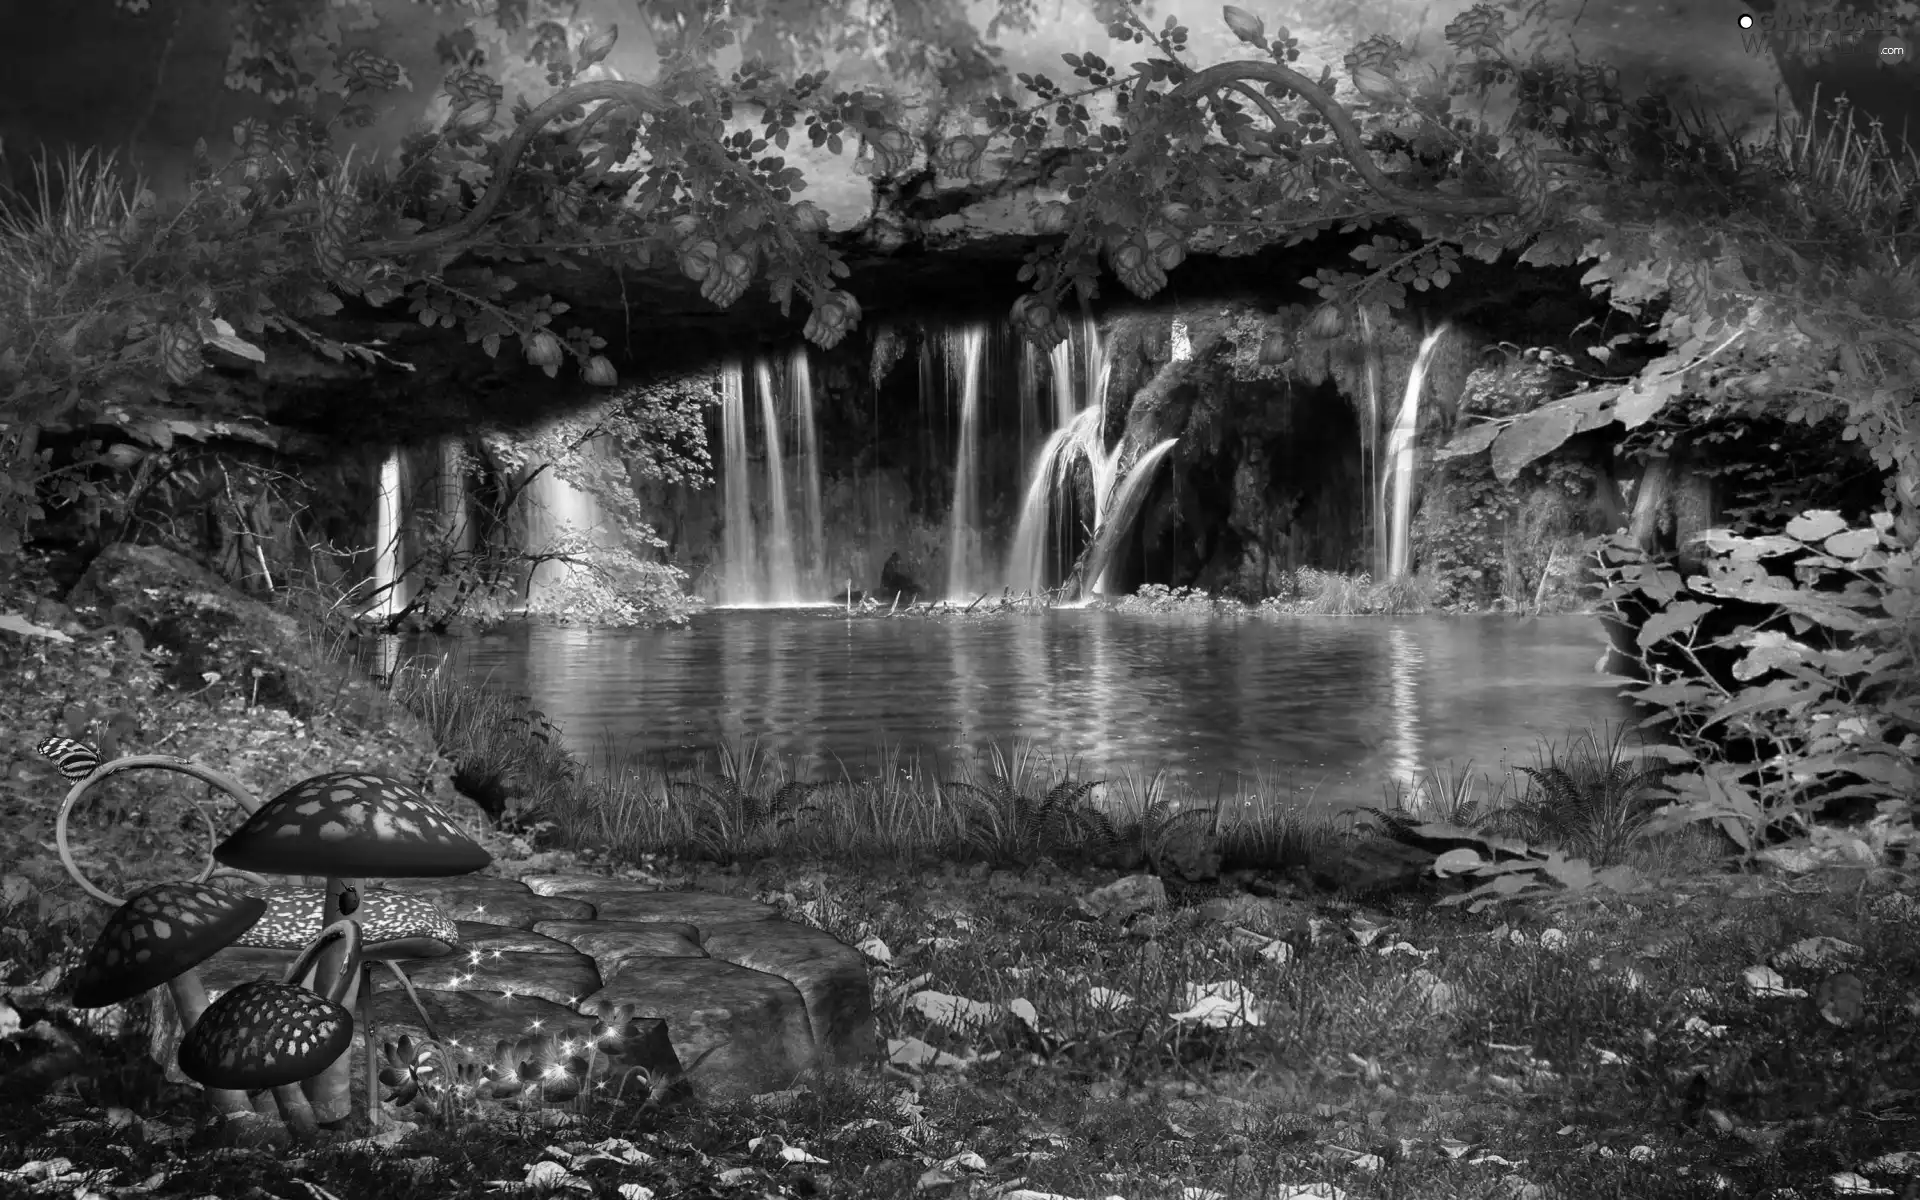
{"x":205,"y":774}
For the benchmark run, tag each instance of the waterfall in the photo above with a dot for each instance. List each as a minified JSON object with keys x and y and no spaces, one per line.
{"x":1123,"y":509}
{"x":1116,"y":497}
{"x":783,"y":582}
{"x":965,"y":350}
{"x":1064,"y":402}
{"x":1370,"y":448}
{"x":386,"y":547}
{"x":560,"y":519}
{"x":1079,"y":420}
{"x":1400,"y":455}
{"x":739,"y":552}
{"x":1031,"y":417}
{"x":800,"y":372}
{"x":1027,"y":563}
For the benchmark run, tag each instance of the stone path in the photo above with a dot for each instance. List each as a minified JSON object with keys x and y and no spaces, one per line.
{"x":697,"y":973}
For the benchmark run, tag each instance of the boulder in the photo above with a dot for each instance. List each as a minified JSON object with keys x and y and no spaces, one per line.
{"x":748,"y":1030}
{"x":611,"y":943}
{"x":831,"y":975}
{"x":1124,"y":897}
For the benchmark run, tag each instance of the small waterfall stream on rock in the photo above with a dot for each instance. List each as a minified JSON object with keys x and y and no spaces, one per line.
{"x":763,"y":561}
{"x":1080,"y":436}
{"x":1130,"y":493}
{"x":740,"y":551}
{"x":1399,"y":458}
{"x":387,"y":599}
{"x":800,"y":386}
{"x":783,"y":575}
{"x":966,"y":566}
{"x":559,"y":519}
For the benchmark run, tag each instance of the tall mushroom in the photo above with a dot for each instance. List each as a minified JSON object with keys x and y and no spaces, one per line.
{"x":158,"y":937}
{"x":346,"y":826}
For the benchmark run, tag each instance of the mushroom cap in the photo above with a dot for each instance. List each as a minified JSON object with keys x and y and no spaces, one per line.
{"x":393,"y":925}
{"x":160,"y":932}
{"x":350,"y":825}
{"x":264,"y":1034}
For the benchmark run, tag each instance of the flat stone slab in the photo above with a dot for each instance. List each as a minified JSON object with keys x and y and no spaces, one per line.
{"x":830,"y":975}
{"x":562,"y":979}
{"x":566,"y":929}
{"x":751,"y":1027}
{"x":612,"y":944}
{"x":536,"y":1031}
{"x":494,"y":900}
{"x":632,"y":900}
{"x":486,"y":938}
{"x":687,"y":974}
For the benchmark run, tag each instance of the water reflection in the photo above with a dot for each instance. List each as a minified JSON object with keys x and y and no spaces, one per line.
{"x":1336,"y":706}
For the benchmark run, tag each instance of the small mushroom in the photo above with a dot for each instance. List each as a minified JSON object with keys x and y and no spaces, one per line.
{"x":158,"y":937}
{"x":393,"y":926}
{"x":264,"y":1034}
{"x":345,"y":826}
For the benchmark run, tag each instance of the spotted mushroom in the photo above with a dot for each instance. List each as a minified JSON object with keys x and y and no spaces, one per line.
{"x":393,"y":927}
{"x":264,"y":1034}
{"x":347,"y":826}
{"x":158,"y":937}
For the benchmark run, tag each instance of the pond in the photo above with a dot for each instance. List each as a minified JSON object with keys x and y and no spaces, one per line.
{"x":1332,"y":708}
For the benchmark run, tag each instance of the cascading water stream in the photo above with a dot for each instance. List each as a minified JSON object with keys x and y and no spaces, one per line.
{"x":1123,"y":509}
{"x":560,"y":519}
{"x":783,"y":578}
{"x":800,"y":379}
{"x":1370,"y":448}
{"x":1078,"y":424}
{"x":739,"y":551}
{"x":1400,"y":456}
{"x":1027,"y":562}
{"x":386,"y":547}
{"x":965,"y":569}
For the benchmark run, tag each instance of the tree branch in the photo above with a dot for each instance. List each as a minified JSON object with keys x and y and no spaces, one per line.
{"x":1346,"y":131}
{"x":641,"y":97}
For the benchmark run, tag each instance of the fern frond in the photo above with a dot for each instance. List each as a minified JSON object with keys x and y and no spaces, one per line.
{"x":1069,"y":794}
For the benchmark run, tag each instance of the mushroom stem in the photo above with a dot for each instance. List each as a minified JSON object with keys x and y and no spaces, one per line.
{"x":337,"y":963}
{"x":339,"y":938}
{"x":296,"y":1112}
{"x":375,"y":1116}
{"x":189,"y":997}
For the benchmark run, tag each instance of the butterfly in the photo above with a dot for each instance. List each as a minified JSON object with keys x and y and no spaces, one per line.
{"x":76,"y":759}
